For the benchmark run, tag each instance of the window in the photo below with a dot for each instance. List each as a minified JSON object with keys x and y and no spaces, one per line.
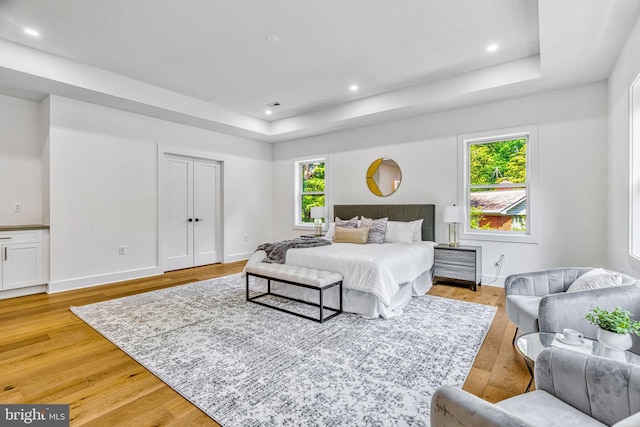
{"x":497,"y":184}
{"x":310,"y":189}
{"x":634,"y":168}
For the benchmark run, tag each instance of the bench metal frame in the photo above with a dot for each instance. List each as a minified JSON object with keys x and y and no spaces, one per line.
{"x":320,"y":290}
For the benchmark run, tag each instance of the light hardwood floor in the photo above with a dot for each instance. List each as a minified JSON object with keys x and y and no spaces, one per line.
{"x":47,"y":355}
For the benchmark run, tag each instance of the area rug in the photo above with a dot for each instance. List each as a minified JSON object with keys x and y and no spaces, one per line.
{"x":248,"y":365}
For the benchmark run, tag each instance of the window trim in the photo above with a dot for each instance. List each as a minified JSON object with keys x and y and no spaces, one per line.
{"x":464,"y":141}
{"x":634,"y":174}
{"x":297,"y":225}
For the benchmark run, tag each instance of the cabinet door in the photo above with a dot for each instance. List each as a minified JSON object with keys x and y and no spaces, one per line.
{"x":21,"y":265}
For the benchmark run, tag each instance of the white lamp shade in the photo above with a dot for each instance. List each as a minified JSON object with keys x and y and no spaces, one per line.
{"x":455,"y":214}
{"x":317,"y":212}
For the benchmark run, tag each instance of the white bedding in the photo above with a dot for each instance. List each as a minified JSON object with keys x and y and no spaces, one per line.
{"x":378,"y":269}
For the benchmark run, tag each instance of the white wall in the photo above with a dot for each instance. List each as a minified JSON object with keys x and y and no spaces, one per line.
{"x":20,"y":161}
{"x":626,"y":70}
{"x":573,"y":132}
{"x":103,"y":182}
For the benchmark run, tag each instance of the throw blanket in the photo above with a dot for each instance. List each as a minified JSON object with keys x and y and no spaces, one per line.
{"x":277,"y":252}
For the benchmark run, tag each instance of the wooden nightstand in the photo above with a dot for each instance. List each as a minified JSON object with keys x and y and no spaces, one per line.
{"x":461,"y":264}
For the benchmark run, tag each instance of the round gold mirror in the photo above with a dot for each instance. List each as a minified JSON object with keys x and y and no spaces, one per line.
{"x":383,"y":177}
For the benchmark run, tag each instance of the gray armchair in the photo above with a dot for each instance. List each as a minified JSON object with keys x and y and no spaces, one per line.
{"x":538,"y":301}
{"x":572,"y":389}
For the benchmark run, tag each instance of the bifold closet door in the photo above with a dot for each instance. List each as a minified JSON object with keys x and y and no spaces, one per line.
{"x":191,"y":212}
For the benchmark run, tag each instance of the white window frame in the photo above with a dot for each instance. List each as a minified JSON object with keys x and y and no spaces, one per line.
{"x":634,"y":174}
{"x":464,"y":141}
{"x":297,"y":224}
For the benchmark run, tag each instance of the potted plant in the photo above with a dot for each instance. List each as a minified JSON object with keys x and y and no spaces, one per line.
{"x":616,"y":327}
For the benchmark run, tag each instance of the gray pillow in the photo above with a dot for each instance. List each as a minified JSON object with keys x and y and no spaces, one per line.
{"x":377,"y":228}
{"x":347,"y":223}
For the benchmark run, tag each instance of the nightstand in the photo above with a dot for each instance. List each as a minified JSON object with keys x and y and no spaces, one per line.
{"x":460,"y":264}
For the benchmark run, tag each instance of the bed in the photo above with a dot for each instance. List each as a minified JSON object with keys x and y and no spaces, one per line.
{"x":379,"y":279}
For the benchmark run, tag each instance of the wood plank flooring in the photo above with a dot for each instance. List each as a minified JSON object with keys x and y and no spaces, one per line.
{"x":48,"y":355}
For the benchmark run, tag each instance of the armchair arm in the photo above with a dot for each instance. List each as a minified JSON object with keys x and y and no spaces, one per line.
{"x":452,"y":407}
{"x":632,"y":421}
{"x":568,"y":309}
{"x":604,"y":389}
{"x":543,"y":282}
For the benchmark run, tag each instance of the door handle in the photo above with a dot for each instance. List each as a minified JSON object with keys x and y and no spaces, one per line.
{"x":5,"y":253}
{"x":191,"y":220}
{"x":199,"y":219}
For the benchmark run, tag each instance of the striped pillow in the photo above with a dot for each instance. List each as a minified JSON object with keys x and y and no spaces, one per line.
{"x":377,"y":228}
{"x":347,"y":223}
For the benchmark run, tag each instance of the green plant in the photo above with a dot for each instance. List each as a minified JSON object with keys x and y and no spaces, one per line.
{"x":617,"y":320}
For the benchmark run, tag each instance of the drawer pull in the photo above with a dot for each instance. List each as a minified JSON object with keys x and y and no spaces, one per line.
{"x":5,"y":253}
{"x":5,"y":238}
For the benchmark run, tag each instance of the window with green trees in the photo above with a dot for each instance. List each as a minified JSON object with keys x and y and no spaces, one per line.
{"x":311,"y":188}
{"x":498,"y":177}
{"x":497,"y":185}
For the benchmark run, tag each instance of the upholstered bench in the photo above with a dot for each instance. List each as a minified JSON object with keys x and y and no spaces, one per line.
{"x":296,"y":276}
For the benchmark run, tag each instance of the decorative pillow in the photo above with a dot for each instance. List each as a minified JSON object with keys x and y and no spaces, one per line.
{"x":417,"y":231}
{"x":330,"y":231}
{"x":377,"y":228}
{"x":351,"y":235}
{"x":347,"y":223}
{"x":597,"y":278}
{"x":399,"y":232}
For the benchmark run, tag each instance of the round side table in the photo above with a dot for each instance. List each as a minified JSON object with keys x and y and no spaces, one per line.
{"x":531,"y":345}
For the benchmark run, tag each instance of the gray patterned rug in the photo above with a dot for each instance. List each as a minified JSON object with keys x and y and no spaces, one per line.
{"x":248,"y":365}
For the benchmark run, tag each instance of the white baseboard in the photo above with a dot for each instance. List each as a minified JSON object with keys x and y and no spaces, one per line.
{"x":238,"y":257}
{"x":86,"y":282}
{"x":20,"y":292}
{"x":493,"y":281}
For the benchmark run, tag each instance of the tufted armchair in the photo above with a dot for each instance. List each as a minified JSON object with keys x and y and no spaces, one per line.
{"x":573,"y":389}
{"x":538,"y":301}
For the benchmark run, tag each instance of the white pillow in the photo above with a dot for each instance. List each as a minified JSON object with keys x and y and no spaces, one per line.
{"x":417,"y":231}
{"x":597,"y":278}
{"x":399,"y":232}
{"x":330,"y":231}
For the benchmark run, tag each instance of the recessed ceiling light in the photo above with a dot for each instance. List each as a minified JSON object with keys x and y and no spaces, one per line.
{"x":353,"y":88}
{"x":492,"y":47}
{"x":268,"y":112}
{"x":32,"y":32}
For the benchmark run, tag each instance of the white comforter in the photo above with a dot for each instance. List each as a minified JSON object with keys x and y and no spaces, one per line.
{"x":375,"y":268}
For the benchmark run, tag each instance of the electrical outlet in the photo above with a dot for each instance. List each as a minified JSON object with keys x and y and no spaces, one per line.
{"x":246,"y":238}
{"x":17,"y":207}
{"x":122,"y":250}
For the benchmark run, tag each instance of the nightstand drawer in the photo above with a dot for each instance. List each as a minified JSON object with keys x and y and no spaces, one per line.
{"x":455,"y":272}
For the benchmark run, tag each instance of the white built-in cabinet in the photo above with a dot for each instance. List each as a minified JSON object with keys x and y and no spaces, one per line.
{"x":191,"y":216}
{"x":23,"y":263}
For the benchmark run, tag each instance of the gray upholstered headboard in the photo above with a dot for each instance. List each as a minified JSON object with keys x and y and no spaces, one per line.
{"x":394,"y":213}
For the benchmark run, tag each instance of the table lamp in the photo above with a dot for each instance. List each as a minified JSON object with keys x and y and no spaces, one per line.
{"x":454,"y":215}
{"x":317,"y":213}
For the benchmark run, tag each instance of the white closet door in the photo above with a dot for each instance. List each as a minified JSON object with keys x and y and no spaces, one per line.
{"x":179,"y":230}
{"x":205,"y":208}
{"x":191,"y":211}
